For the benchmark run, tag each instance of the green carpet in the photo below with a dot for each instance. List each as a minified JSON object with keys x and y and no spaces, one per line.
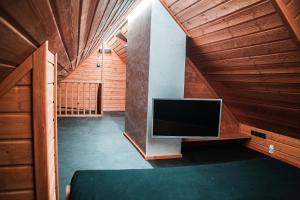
{"x":262,"y":178}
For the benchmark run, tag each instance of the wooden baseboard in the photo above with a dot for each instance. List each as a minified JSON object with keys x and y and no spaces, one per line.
{"x":161,"y":157}
{"x":286,"y":149}
{"x":151,"y":157}
{"x":135,"y":145}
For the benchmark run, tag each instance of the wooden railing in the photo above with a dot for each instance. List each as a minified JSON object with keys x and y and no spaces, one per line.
{"x":79,"y":99}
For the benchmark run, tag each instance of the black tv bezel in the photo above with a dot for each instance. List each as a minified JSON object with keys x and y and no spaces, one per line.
{"x":183,"y":137}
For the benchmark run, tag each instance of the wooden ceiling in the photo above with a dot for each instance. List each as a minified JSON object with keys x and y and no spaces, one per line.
{"x":119,"y":45}
{"x":250,"y":54}
{"x":74,"y":28}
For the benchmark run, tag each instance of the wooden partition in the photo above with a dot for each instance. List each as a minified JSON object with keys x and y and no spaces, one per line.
{"x":79,"y":99}
{"x":28,"y":134}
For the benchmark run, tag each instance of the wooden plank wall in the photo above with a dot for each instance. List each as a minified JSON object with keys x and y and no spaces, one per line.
{"x":16,"y":142}
{"x":197,"y":87}
{"x":113,"y":78}
{"x":249,"y":56}
{"x":28,"y":129}
{"x":286,"y":148}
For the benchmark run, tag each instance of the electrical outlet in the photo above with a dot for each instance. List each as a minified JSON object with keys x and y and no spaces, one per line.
{"x":271,"y":148}
{"x":258,"y":134}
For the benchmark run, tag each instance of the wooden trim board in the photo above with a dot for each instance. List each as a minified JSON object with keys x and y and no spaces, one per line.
{"x":151,"y":157}
{"x":286,"y":149}
{"x":55,"y":126}
{"x":15,"y":76}
{"x":40,"y":122}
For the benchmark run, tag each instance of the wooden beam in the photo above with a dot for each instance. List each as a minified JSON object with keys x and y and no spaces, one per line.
{"x":15,"y":76}
{"x":291,"y":21}
{"x":40,"y":122}
{"x":121,"y":38}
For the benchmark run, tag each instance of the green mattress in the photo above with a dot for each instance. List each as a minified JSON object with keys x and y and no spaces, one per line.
{"x":263,"y":178}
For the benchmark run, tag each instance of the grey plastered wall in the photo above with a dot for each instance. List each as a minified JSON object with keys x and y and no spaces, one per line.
{"x":166,"y":72}
{"x":137,"y":72}
{"x":155,"y":69}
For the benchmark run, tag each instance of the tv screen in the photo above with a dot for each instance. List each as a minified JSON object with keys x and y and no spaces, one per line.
{"x":186,"y":118}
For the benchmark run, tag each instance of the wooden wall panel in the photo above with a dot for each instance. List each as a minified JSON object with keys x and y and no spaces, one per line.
{"x":23,"y":125}
{"x":286,"y":148}
{"x":16,"y":178}
{"x":16,"y":152}
{"x":17,"y":100}
{"x":17,"y":195}
{"x":113,"y":80}
{"x":249,"y":55}
{"x":196,"y":86}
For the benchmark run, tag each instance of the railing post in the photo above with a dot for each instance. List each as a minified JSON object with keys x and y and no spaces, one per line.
{"x":77,"y":98}
{"x":60,"y":98}
{"x":83,"y":100}
{"x":72,"y":98}
{"x":66,"y":97}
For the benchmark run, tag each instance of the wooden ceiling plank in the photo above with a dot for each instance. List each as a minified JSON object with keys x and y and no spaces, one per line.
{"x":289,"y":100}
{"x":256,"y":60}
{"x":14,"y":48}
{"x":66,"y":14}
{"x":16,"y":28}
{"x":281,"y":46}
{"x":97,"y":20}
{"x":257,"y":86}
{"x":170,"y":2}
{"x":37,"y":20}
{"x":281,"y":68}
{"x":119,"y":19}
{"x":218,"y":12}
{"x":238,"y":18}
{"x":265,"y":78}
{"x":109,"y":18}
{"x":286,"y":116}
{"x":276,"y":34}
{"x":180,"y":6}
{"x":254,"y":26}
{"x":88,"y":9}
{"x":197,"y":9}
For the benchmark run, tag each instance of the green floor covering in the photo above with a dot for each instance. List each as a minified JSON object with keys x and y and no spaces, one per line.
{"x":260,"y":178}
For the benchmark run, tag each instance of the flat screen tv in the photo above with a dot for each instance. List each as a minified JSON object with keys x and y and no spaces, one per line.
{"x":186,"y":118}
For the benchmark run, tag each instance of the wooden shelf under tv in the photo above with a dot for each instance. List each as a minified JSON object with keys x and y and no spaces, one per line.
{"x":223,"y":137}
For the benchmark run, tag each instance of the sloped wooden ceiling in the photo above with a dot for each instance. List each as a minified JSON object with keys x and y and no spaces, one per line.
{"x":119,"y":45}
{"x":74,"y":28}
{"x":248,"y":52}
